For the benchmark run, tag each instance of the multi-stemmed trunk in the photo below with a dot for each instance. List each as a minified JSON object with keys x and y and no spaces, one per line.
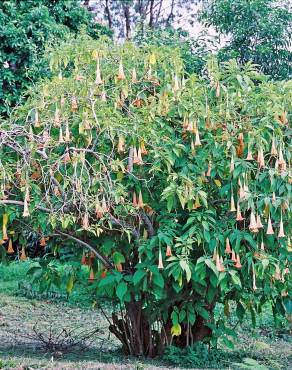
{"x":141,"y":337}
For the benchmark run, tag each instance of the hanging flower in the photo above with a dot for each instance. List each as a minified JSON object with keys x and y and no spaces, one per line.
{"x":57,"y":120}
{"x":281,"y":160}
{"x":84,"y":260}
{"x":91,"y":276}
{"x":67,"y":133}
{"x":74,"y":104}
{"x":134,"y":76}
{"x":254,"y":287}
{"x":222,"y":268}
{"x":36,"y":119}
{"x":218,"y":264}
{"x":217,"y":85}
{"x":249,"y":155}
{"x":10,"y":249}
{"x":253,"y":224}
{"x":262,"y":246}
{"x":259,"y":222}
{"x":260,"y":158}
{"x":121,"y":144}
{"x":23,"y":255}
{"x":119,"y":267}
{"x":232,"y":204}
{"x":140,"y":203}
{"x":241,"y":190}
{"x":281,"y":233}
{"x":197,"y":203}
{"x":42,"y":241}
{"x":270,"y":230}
{"x":103,"y":274}
{"x":193,"y":146}
{"x":25,"y":208}
{"x":191,"y":127}
{"x":240,"y":147}
{"x":233,"y":256}
{"x":214,"y":255}
{"x":176,"y":83}
{"x":98,"y":209}
{"x":135,"y":203}
{"x":104,"y":205}
{"x":273,"y":148}
{"x":160,"y":262}
{"x":168,"y":251}
{"x":238,"y":263}
{"x":135,"y":156}
{"x":139,"y":156}
{"x":4,"y":226}
{"x":61,"y":138}
{"x":197,"y":140}
{"x":238,"y":214}
{"x":98,"y":79}
{"x":121,"y":74}
{"x":227,"y":246}
{"x":143,"y":148}
{"x":208,"y":173}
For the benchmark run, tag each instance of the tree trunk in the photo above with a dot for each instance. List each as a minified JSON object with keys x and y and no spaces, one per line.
{"x":139,"y":337}
{"x":127,"y":21}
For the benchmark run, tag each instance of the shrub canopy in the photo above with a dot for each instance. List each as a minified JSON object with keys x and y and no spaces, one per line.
{"x":180,"y":186}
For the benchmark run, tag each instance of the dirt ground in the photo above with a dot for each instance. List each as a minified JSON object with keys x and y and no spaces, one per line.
{"x":18,"y":315}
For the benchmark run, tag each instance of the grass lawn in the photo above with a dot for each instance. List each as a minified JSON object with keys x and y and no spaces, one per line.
{"x":268,"y":346}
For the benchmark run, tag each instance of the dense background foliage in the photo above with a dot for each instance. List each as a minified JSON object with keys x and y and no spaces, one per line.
{"x":257,"y":31}
{"x":25,"y":28}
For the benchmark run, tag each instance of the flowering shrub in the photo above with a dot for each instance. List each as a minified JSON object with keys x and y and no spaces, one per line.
{"x":179,"y":186}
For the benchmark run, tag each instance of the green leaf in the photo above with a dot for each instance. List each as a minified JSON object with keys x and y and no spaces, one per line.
{"x":228,"y":343}
{"x":118,"y":258}
{"x":158,"y":280}
{"x":108,"y":280}
{"x":121,"y":290}
{"x":138,"y":276}
{"x":236,"y":280}
{"x":70,"y":284}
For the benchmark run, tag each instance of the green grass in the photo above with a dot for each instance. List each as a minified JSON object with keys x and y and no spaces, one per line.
{"x":266,"y":347}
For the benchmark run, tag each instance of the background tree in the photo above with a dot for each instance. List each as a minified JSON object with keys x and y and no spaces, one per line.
{"x":193,"y":51}
{"x":25,"y":28}
{"x":178,"y":187}
{"x":257,"y":31}
{"x":125,"y":17}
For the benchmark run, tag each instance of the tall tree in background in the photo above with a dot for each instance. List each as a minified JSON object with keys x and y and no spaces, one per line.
{"x":124,"y":16}
{"x":258,"y":30}
{"x":25,"y":28}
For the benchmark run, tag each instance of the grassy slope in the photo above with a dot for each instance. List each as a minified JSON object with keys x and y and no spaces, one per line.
{"x":18,"y":314}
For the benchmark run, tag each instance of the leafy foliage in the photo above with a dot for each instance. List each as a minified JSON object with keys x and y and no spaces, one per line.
{"x":190,"y":357}
{"x":257,"y":31}
{"x":25,"y":27}
{"x":179,"y":186}
{"x":193,"y":51}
